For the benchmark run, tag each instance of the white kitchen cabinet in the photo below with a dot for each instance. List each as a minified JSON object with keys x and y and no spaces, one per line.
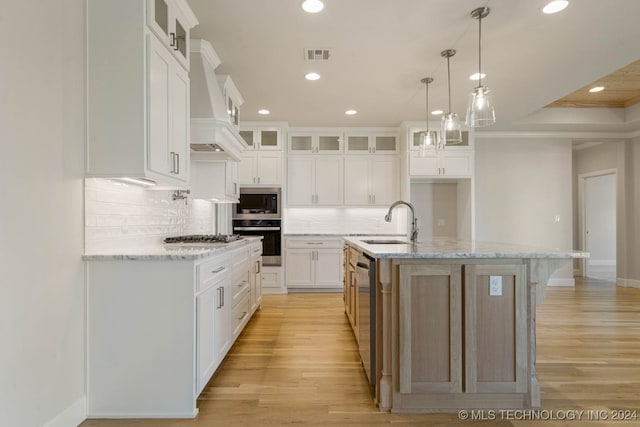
{"x":137,"y":98}
{"x":442,"y":164}
{"x":262,"y":138}
{"x":363,"y":142}
{"x":313,"y":262}
{"x":315,"y":181}
{"x":232,"y":99}
{"x":214,"y":180}
{"x":170,"y":21}
{"x":212,"y":322}
{"x":260,"y":168}
{"x":315,"y":142}
{"x":255,"y":276}
{"x":371,"y":180}
{"x":158,"y":329}
{"x":415,"y":131}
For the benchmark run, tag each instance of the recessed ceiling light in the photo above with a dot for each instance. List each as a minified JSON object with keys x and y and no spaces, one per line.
{"x":555,"y":6}
{"x":350,"y":112}
{"x":437,"y":112}
{"x":596,"y":89}
{"x":264,"y":112}
{"x":477,"y":76}
{"x":312,"y":76}
{"x":312,"y":6}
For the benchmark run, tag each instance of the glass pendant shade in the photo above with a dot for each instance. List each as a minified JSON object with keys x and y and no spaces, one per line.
{"x":450,"y":131}
{"x":427,"y":142}
{"x":480,"y":111}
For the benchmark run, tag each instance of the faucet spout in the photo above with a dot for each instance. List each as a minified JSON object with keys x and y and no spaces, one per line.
{"x":414,"y":221}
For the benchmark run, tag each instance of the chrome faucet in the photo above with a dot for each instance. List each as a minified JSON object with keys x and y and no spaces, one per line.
{"x":414,"y":220}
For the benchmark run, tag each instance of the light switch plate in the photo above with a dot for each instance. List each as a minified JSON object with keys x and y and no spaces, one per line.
{"x":495,"y":286}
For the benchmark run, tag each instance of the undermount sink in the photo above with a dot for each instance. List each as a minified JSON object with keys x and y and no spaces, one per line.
{"x":384,"y":242}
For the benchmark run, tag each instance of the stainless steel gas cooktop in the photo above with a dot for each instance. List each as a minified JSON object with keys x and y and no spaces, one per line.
{"x":203,"y":238}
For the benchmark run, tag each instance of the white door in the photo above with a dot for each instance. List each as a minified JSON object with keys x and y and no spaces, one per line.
{"x":247,"y":168}
{"x":300,"y":267}
{"x":206,"y":359}
{"x":300,"y":181}
{"x":179,"y":121}
{"x":328,"y":268}
{"x":600,"y":226}
{"x":385,"y":180}
{"x":270,"y":168}
{"x":356,"y":181}
{"x":159,"y":133}
{"x":328,"y":180}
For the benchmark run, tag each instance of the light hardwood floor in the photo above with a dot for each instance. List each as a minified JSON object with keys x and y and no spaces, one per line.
{"x":297,"y":363}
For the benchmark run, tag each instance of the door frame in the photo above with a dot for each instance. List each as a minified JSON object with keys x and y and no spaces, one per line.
{"x":582,"y":226}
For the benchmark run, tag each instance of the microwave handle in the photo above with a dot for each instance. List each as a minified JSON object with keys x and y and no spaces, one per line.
{"x":256,"y":228}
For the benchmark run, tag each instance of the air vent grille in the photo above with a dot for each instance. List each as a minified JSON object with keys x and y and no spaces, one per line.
{"x":316,"y":54}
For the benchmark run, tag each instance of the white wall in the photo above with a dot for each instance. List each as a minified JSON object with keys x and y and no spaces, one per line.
{"x":524,"y":193}
{"x":41,"y":220}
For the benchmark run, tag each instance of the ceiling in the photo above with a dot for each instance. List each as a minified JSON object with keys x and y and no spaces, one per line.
{"x":380,"y":49}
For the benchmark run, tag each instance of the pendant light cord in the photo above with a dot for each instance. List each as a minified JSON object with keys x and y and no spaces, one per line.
{"x":427,"y":111}
{"x":480,"y":50}
{"x":449,"y":79}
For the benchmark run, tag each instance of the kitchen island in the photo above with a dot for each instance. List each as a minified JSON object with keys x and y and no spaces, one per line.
{"x":452,"y":323}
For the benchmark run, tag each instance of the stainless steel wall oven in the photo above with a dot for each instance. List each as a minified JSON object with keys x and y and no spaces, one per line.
{"x":271,"y":231}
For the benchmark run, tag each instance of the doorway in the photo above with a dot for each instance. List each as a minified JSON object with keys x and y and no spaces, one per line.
{"x":598,"y":223}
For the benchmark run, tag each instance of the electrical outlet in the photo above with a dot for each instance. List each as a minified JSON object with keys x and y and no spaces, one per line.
{"x":495,"y":286}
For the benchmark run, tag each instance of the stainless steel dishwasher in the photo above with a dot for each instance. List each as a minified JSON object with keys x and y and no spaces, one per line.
{"x":367,"y":314}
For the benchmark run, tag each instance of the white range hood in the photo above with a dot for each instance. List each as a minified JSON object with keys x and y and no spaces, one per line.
{"x":211,"y":125}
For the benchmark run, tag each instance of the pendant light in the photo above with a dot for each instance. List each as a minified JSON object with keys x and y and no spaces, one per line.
{"x":427,"y":138}
{"x":480,"y":111}
{"x":450,"y":133}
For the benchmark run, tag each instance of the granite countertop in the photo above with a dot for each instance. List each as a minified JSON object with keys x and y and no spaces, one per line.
{"x":341,"y":234}
{"x":449,"y":248}
{"x":171,"y":251}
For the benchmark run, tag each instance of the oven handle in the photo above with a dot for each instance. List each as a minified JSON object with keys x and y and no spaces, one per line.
{"x":256,"y":228}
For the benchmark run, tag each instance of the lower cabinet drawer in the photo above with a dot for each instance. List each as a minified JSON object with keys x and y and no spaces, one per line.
{"x":239,"y":289}
{"x":240,"y":315}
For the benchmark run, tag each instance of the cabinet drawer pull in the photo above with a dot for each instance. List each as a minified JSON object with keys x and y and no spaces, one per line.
{"x":173,"y":39}
{"x":244,"y":314}
{"x":315,"y":243}
{"x":257,"y":266}
{"x":218,"y":270}
{"x":177,"y":163}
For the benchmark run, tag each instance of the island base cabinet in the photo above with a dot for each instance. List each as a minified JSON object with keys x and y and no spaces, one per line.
{"x":460,"y":336}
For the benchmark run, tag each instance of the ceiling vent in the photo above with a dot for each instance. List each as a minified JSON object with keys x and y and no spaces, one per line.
{"x":316,"y":54}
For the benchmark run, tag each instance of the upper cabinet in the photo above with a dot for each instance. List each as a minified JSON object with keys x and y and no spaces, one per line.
{"x":454,"y":161}
{"x":232,"y":99}
{"x":328,"y":141}
{"x":137,"y":98}
{"x":414,"y":137}
{"x":363,"y":142}
{"x":171,"y":20}
{"x":266,"y":138}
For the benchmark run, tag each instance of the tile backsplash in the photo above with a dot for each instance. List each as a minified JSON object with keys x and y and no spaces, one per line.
{"x":344,"y":221}
{"x":120,"y":216}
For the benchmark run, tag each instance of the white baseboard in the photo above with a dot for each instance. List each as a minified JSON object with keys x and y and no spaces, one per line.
{"x":602,"y":262}
{"x":561,"y":282}
{"x":628,"y":283}
{"x":273,"y":291}
{"x":152,"y":415}
{"x":72,"y":416}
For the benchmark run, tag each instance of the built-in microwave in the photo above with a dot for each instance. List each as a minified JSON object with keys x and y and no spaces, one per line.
{"x":258,"y":203}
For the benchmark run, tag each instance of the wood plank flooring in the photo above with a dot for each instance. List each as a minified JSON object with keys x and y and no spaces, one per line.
{"x":297,"y":363}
